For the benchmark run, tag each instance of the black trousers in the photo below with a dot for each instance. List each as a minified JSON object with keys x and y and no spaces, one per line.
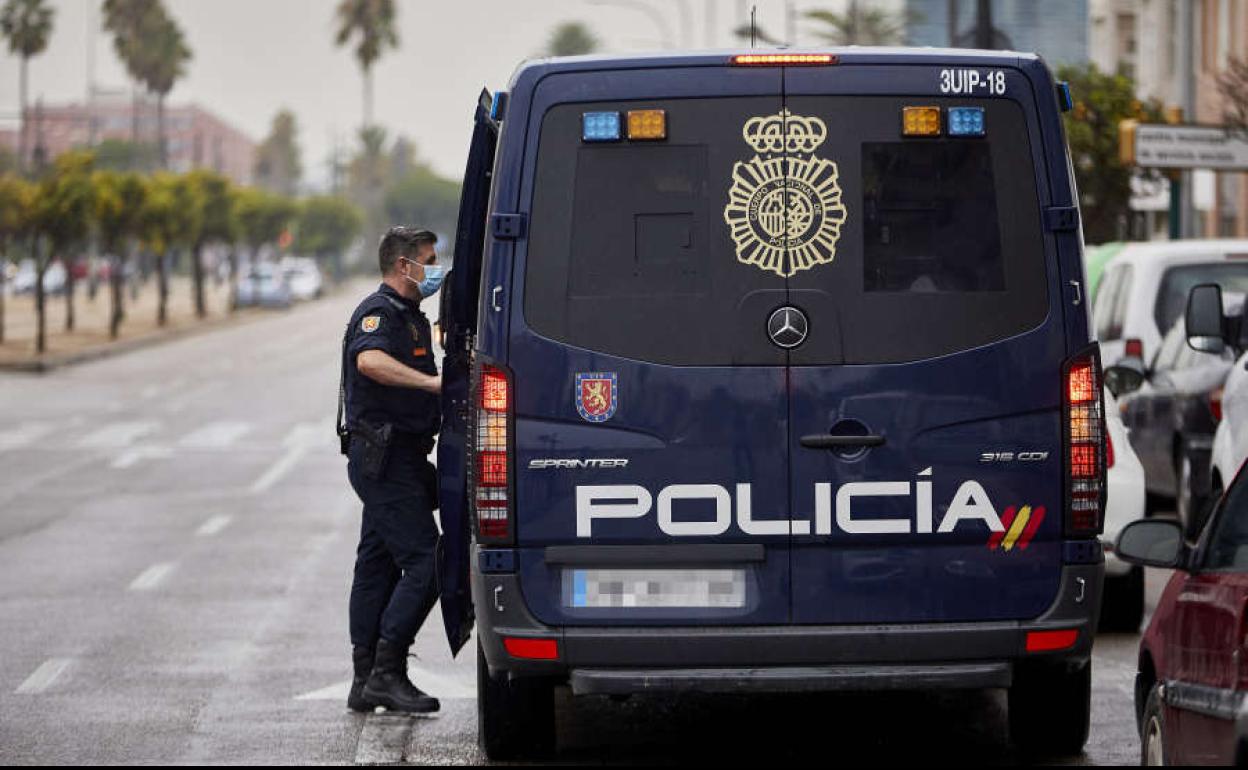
{"x":395,"y":584}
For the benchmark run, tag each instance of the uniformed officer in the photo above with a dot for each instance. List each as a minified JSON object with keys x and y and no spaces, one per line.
{"x":391,"y":385}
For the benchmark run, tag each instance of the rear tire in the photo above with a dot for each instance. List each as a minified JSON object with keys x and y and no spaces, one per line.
{"x":1050,"y":709}
{"x":1122,"y":609}
{"x":1153,"y":731}
{"x":515,"y":717}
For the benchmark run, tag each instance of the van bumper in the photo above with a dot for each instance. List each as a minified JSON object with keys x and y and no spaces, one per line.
{"x":918,"y":656}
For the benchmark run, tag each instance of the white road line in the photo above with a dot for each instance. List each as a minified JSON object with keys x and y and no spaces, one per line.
{"x":118,"y":434}
{"x":26,"y":433}
{"x":44,"y":677}
{"x":215,"y":435}
{"x":297,"y":442}
{"x":441,"y":686}
{"x":214,"y":525}
{"x":383,"y":739}
{"x":153,"y":576}
{"x":135,"y":455}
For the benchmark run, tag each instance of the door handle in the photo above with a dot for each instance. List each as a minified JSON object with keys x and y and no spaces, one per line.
{"x":829,"y":441}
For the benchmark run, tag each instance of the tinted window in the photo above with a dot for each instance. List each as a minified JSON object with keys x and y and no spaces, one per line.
{"x":1178,"y":282}
{"x":1228,"y":543}
{"x":1103,"y":303}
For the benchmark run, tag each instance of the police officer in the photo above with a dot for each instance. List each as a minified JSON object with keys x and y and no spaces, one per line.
{"x":391,"y":385}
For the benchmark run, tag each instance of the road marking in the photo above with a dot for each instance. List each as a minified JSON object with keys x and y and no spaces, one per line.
{"x":135,"y":455}
{"x":215,"y":435}
{"x":297,"y":442}
{"x":153,"y":576}
{"x":24,"y":434}
{"x":118,"y":435}
{"x":214,"y":525}
{"x":44,"y":677}
{"x":383,"y":739}
{"x":441,"y":687}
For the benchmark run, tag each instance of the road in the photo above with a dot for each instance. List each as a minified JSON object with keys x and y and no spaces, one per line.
{"x":176,"y":543}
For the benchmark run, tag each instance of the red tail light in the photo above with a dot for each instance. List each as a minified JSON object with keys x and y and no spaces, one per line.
{"x":491,"y":455}
{"x":1215,"y":404}
{"x":1135,"y":349}
{"x":1048,"y":641}
{"x":1086,"y":444}
{"x":533,"y":649}
{"x":1109,"y":450}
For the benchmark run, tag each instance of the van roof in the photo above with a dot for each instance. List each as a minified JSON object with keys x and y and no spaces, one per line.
{"x":536,"y":68}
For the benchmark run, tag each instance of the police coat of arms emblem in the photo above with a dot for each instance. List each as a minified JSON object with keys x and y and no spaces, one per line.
{"x":785,"y":222}
{"x":597,"y":396}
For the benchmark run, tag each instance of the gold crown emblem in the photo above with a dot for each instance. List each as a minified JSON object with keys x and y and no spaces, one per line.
{"x":784,"y":131}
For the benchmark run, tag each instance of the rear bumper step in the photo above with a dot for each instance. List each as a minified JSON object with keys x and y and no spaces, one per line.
{"x":791,"y":679}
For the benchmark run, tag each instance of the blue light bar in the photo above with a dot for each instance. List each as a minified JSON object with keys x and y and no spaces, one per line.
{"x":966,"y":121}
{"x":600,"y":126}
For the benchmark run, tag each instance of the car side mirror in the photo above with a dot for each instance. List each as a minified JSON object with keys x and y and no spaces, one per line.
{"x":1124,"y":377}
{"x":1203,"y":318}
{"x":1152,"y":543}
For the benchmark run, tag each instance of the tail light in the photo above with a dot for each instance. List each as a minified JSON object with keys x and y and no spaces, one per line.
{"x":1109,"y":450}
{"x":1215,"y":404}
{"x":490,"y":470}
{"x":1134,"y":349}
{"x":1085,"y":443}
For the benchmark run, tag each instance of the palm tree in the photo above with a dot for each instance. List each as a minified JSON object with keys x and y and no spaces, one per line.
{"x":27,"y":25}
{"x":164,"y":59}
{"x":571,"y":38}
{"x":859,"y":26}
{"x":128,"y":20}
{"x":373,"y":23}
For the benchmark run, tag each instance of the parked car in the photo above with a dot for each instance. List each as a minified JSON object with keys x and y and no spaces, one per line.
{"x":263,"y":286}
{"x":1171,"y":418}
{"x":26,"y":276}
{"x":1190,"y":681}
{"x":1122,"y":608}
{"x":1143,"y":290}
{"x":303,"y":276}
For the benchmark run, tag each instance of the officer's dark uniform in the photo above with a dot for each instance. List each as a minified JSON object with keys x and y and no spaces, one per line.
{"x":395,"y":583}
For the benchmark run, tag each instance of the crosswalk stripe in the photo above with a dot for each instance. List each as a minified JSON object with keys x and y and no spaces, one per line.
{"x":26,"y":433}
{"x":215,"y":435}
{"x":153,"y":576}
{"x":118,"y":434}
{"x":44,"y":677}
{"x":214,"y":525}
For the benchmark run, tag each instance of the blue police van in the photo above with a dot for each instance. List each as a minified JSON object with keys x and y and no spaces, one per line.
{"x":772,"y":372}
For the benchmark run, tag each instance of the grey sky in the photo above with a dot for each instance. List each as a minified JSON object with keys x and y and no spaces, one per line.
{"x":253,"y":57}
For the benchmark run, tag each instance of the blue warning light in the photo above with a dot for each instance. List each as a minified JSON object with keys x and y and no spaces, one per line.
{"x":966,"y":121}
{"x":600,"y":126}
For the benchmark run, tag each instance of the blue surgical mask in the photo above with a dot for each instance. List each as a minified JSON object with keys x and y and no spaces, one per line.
{"x":434,"y":275}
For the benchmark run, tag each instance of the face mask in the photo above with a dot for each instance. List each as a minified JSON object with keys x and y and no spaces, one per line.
{"x":434,"y":275}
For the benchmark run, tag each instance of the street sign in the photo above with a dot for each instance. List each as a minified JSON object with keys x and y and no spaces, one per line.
{"x":1160,"y":145}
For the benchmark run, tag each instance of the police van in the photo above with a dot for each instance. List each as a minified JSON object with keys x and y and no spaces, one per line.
{"x":772,"y":372}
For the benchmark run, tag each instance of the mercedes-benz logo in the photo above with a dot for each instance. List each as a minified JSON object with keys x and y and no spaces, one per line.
{"x":787,"y":327}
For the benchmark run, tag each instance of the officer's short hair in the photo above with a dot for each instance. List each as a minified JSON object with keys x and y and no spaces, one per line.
{"x":402,"y":241}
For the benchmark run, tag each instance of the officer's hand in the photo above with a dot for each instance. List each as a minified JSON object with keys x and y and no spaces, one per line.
{"x":435,"y":384}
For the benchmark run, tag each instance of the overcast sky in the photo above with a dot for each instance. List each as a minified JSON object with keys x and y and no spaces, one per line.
{"x":253,"y":57}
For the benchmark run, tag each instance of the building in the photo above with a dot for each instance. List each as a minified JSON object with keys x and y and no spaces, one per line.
{"x":195,"y":137}
{"x":1055,"y":29}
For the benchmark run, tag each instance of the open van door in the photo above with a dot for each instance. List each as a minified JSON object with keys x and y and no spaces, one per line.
{"x":458,"y":322}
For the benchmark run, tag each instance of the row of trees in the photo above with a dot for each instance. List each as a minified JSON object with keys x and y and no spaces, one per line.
{"x":164,"y":216}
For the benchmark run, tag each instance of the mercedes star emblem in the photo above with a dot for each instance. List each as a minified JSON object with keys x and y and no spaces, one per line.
{"x":787,"y":327}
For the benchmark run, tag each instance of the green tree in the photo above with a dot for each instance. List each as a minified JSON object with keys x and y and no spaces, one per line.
{"x":165,"y":56}
{"x":172,"y":219}
{"x":122,"y":155}
{"x":16,"y":203}
{"x":571,"y":38}
{"x":119,"y":202}
{"x":423,"y":198}
{"x":61,"y":217}
{"x":858,"y":26}
{"x":1102,"y":101}
{"x":219,"y":225}
{"x":326,"y":226}
{"x":129,"y":22}
{"x":27,"y":25}
{"x":372,"y":25}
{"x":278,"y":165}
{"x":368,"y":175}
{"x":262,"y":218}
{"x":1233,"y":87}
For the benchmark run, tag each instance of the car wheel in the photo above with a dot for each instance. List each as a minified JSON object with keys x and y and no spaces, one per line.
{"x":1122,"y":609}
{"x":515,"y":717}
{"x":1050,"y":708}
{"x":1153,"y":731}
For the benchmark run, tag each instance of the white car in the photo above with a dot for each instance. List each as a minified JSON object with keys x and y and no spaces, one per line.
{"x":303,"y":276}
{"x":1122,"y":608}
{"x":54,"y":278}
{"x":1144,"y":288}
{"x":1230,"y":440}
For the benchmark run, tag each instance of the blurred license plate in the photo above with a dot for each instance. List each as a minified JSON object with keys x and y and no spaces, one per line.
{"x":724,"y":588}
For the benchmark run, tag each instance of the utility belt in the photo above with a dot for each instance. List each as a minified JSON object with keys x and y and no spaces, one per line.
{"x":379,"y":442}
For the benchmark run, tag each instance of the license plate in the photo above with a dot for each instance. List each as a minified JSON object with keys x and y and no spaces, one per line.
{"x":654,"y":588}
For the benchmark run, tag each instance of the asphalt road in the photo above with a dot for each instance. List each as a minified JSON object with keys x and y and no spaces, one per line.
{"x":176,"y":543}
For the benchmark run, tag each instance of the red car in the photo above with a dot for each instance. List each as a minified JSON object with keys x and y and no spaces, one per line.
{"x":1193,"y":666}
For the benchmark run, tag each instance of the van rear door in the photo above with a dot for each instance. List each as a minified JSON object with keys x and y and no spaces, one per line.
{"x":650,"y":407}
{"x":925,"y":402}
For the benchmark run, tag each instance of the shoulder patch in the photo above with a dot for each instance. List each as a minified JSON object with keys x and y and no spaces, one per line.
{"x":370,"y":323}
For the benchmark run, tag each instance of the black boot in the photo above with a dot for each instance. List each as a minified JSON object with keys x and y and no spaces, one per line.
{"x":363,"y":659}
{"x":389,"y":686}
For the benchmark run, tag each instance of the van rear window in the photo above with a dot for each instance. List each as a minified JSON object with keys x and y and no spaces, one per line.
{"x":677,"y":251}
